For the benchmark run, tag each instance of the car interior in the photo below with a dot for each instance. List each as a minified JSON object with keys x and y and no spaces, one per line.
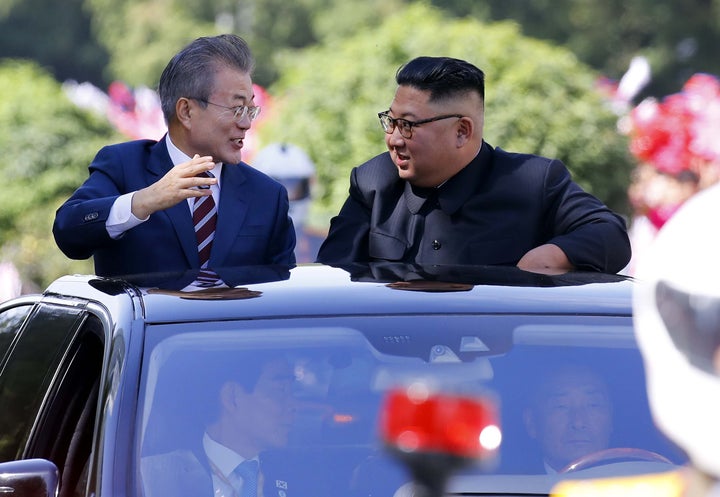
{"x":341,"y":375}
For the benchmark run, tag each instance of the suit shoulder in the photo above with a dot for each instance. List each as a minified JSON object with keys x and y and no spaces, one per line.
{"x":377,"y":172}
{"x":518,"y":159}
{"x":130,"y":146}
{"x":131,"y":152}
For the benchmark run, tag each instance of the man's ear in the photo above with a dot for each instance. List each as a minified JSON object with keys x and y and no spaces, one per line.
{"x":465,"y":129}
{"x":529,"y":420}
{"x":183,"y":111}
{"x":231,"y":395}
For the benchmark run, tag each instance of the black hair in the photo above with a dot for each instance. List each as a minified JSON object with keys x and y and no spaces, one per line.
{"x":443,"y":77}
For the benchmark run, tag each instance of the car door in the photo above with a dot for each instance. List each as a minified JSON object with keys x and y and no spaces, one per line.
{"x":49,"y":378}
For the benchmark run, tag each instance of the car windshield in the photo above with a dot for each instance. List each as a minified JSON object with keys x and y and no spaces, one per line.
{"x":303,"y":396}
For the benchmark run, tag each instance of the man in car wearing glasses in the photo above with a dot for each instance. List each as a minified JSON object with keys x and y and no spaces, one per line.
{"x":441,"y":195}
{"x":187,"y":201}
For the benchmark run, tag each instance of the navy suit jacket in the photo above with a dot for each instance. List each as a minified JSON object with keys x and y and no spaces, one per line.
{"x":492,"y":212}
{"x":253,"y":226}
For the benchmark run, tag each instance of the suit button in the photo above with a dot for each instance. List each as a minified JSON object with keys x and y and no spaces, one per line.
{"x":92,"y":216}
{"x":436,"y":245}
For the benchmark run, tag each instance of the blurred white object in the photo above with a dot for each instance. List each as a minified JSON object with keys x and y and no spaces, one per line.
{"x":292,"y":167}
{"x":676,"y":305}
{"x":284,"y":160}
{"x":87,"y":96}
{"x":635,"y":79}
{"x":10,"y":282}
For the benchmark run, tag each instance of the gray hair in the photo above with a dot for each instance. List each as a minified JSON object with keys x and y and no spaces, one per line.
{"x":191,"y":72}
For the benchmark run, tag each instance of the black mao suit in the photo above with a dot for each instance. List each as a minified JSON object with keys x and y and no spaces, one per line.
{"x":493,"y":211}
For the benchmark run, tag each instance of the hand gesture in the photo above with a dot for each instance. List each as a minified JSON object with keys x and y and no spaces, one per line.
{"x":180,"y":183}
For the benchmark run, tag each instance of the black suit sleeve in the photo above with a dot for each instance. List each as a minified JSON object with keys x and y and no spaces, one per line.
{"x":347,"y":240}
{"x":591,"y":235}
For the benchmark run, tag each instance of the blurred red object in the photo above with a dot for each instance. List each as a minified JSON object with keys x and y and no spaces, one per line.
{"x":679,"y":133}
{"x":466,"y":427}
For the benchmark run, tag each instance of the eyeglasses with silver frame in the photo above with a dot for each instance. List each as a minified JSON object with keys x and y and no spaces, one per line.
{"x":240,"y":111}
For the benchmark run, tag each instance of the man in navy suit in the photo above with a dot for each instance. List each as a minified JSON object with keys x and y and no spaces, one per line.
{"x":442,"y":195}
{"x":134,"y":212}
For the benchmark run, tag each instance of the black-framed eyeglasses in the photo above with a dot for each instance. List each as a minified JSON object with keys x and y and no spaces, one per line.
{"x":389,"y":123}
{"x":239,"y":112}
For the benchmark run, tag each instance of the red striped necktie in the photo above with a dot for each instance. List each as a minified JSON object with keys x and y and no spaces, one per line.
{"x":205,"y":219}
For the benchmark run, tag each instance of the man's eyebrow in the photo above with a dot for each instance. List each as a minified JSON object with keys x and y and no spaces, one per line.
{"x":242,"y":98}
{"x":407,"y":116}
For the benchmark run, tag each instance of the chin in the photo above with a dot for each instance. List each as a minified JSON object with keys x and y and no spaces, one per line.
{"x":406,"y":175}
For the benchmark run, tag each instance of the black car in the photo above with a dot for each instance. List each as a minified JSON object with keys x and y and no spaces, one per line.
{"x":123,"y":386}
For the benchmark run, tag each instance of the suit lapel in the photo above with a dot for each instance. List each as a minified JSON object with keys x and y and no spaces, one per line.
{"x":179,"y":214}
{"x":231,"y":212}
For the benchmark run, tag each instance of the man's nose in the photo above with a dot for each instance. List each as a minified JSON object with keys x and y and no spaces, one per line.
{"x":394,"y":139}
{"x":579,"y":417}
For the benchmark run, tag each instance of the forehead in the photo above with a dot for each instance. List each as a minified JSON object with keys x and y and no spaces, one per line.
{"x":573,"y":382}
{"x":410,"y":102}
{"x":233,"y":84}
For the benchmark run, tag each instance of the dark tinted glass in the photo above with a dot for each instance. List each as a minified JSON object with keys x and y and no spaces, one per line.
{"x":11,"y":321}
{"x":29,"y":371}
{"x":578,"y":380}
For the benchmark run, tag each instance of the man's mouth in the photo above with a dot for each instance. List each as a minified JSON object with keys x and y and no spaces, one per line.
{"x":401,"y":159}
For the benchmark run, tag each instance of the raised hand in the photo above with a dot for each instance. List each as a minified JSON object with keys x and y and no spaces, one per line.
{"x":180,"y":183}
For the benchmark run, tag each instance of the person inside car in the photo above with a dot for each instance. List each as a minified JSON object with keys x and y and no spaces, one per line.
{"x":676,"y":306}
{"x":253,"y":412}
{"x":570,"y":415}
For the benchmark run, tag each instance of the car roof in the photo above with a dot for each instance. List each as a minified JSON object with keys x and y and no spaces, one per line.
{"x":311,"y":290}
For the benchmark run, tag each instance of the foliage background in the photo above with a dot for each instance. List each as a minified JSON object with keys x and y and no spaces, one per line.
{"x":46,"y":144}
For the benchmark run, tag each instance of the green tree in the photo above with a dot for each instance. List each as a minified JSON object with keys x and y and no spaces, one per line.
{"x":142,"y":35}
{"x":47,"y":144}
{"x":540,"y":99}
{"x":679,"y":37}
{"x":55,"y":34}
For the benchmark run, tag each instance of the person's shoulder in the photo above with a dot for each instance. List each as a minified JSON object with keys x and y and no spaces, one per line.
{"x":377,"y":171}
{"x":131,"y":154}
{"x":132,"y":145}
{"x":668,"y":484}
{"x":520,"y":158}
{"x":183,"y":459}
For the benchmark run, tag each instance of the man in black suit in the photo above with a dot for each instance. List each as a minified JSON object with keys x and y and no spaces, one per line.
{"x":250,"y":398}
{"x":442,"y":195}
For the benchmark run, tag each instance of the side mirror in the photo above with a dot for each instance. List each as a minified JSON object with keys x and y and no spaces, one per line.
{"x":29,"y":478}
